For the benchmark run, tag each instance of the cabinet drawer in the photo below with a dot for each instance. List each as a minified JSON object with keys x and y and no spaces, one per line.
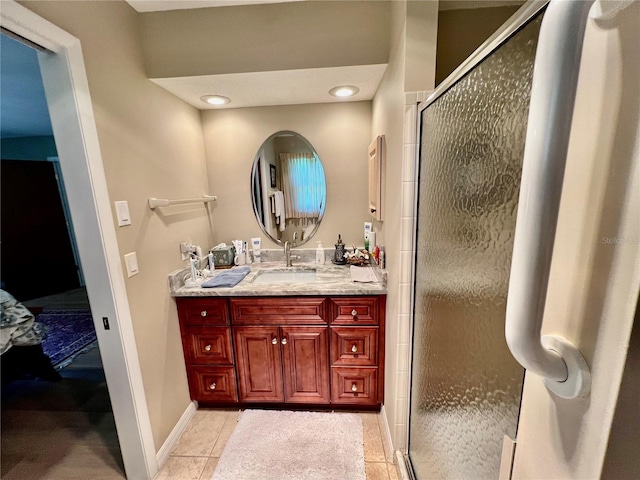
{"x":354,"y":385}
{"x":354,"y":311}
{"x":213,"y":384}
{"x":208,"y":345}
{"x":278,"y":311}
{"x":354,"y":346}
{"x":203,"y":311}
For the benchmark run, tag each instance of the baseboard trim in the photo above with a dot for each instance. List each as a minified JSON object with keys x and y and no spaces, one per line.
{"x":174,"y":436}
{"x":386,"y":433}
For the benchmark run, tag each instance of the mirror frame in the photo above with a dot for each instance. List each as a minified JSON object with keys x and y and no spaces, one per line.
{"x":254,"y":172}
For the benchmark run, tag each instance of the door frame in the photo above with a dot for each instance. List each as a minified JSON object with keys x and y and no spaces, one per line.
{"x":70,"y":107}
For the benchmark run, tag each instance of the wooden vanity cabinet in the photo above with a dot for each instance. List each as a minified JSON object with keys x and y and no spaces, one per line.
{"x":208,"y":350}
{"x":285,"y":350}
{"x":282,"y":364}
{"x":357,"y":350}
{"x":286,"y":361}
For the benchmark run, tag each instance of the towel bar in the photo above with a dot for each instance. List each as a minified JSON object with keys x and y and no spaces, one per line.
{"x":163,"y":202}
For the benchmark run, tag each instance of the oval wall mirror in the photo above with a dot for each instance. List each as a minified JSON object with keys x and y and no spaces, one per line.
{"x":288,"y":188}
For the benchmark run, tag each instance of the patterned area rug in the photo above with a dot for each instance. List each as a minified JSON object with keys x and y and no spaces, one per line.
{"x":283,"y":445}
{"x":71,"y":332}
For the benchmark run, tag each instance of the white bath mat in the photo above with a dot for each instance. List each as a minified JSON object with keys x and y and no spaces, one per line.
{"x":283,"y":445}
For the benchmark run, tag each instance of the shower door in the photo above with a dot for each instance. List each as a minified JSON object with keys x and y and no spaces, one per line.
{"x":465,"y":385}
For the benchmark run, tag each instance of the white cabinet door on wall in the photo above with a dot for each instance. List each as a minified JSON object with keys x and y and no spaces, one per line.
{"x":376,"y":155}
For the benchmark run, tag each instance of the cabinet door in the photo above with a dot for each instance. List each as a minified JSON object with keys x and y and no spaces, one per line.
{"x":376,"y":180}
{"x":208,"y":345}
{"x":279,"y":311}
{"x":203,"y":311}
{"x":356,"y":385}
{"x":258,"y":361}
{"x":354,"y":310}
{"x":305,"y":364}
{"x":354,"y":346}
{"x":213,"y":384}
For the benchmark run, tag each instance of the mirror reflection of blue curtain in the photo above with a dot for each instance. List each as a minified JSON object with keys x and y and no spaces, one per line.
{"x":304,"y":185}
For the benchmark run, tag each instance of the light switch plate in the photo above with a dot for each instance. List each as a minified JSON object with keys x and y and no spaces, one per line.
{"x":122,"y":212}
{"x":131,"y":261}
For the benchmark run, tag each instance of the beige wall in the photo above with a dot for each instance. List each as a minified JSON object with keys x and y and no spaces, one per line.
{"x":595,"y":273}
{"x":388,"y":108}
{"x":199,"y":42}
{"x":340,"y":134}
{"x":421,"y":35}
{"x":151,"y":145}
{"x":460,"y":32}
{"x":411,"y":62}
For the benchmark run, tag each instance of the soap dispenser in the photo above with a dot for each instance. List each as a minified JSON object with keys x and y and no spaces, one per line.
{"x":320,"y":254}
{"x":338,"y":258}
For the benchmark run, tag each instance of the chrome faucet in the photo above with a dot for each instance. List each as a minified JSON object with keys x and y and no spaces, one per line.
{"x":287,"y":254}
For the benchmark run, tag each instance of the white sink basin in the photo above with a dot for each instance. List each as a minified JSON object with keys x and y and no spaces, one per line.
{"x":285,"y":276}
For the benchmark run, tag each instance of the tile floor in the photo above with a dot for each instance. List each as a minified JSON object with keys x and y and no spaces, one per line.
{"x":196,"y":454}
{"x":66,"y":431}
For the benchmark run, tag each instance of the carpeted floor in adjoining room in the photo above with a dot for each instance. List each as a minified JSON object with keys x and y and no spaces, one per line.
{"x":196,"y":454}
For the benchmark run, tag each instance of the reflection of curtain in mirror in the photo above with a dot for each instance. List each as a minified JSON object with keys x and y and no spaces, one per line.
{"x":303,"y":185}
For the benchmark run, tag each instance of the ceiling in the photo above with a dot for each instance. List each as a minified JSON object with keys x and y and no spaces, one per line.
{"x":165,"y":5}
{"x":283,"y":87}
{"x":23,"y":109}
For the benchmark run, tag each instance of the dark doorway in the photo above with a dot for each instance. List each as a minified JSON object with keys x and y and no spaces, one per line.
{"x":37,"y":256}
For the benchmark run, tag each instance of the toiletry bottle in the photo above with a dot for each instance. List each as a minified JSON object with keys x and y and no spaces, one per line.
{"x":320,"y":254}
{"x":383,"y":259}
{"x":246,"y":252}
{"x":339,"y":253}
{"x":368,"y":227}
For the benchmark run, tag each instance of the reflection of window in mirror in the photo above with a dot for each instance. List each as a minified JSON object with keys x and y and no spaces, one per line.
{"x":289,"y":188}
{"x":303,"y":185}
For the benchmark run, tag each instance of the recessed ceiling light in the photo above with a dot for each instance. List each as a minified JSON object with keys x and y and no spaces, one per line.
{"x":344,"y":91}
{"x":215,"y":99}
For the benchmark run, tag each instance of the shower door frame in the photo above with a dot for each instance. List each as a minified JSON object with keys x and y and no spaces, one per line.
{"x":517,"y":21}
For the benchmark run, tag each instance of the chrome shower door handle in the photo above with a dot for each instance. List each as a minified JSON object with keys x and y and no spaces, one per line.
{"x":553,"y":92}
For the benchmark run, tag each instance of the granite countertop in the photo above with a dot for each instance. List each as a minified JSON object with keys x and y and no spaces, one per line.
{"x":330,"y":280}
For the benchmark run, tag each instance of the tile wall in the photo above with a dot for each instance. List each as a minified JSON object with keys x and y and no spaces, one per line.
{"x":407,"y":255}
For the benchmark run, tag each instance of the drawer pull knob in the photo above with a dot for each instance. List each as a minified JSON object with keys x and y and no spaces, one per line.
{"x":354,"y":349}
{"x":354,"y":312}
{"x":354,"y":388}
{"x":284,"y":341}
{"x":212,"y":386}
{"x":203,"y":313}
{"x":274,"y":341}
{"x":207,"y":348}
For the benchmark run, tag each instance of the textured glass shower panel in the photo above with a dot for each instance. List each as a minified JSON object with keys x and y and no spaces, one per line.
{"x":466,"y":386}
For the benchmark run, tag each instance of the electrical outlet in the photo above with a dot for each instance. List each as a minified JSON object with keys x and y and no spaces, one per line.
{"x":186,"y":249}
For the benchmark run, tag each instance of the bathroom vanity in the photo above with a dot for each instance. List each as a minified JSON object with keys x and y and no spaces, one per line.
{"x":318,"y":343}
